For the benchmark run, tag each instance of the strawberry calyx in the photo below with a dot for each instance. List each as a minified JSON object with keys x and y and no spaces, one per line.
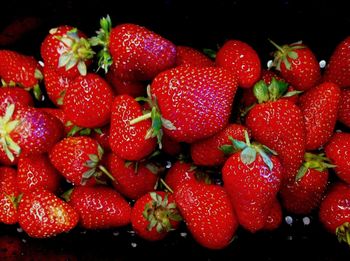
{"x":7,"y":125}
{"x":14,"y":200}
{"x":159,"y":212}
{"x":343,"y":233}
{"x":314,"y":161}
{"x":272,"y":92}
{"x":82,"y":131}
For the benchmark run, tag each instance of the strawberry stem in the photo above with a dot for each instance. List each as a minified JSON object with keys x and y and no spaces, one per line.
{"x":141,"y":118}
{"x":166,"y":186}
{"x":106,"y":172}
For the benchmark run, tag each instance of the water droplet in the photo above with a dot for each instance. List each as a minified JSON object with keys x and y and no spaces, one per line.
{"x":168,"y":164}
{"x":41,"y":63}
{"x":289,"y":220}
{"x":290,"y":238}
{"x":133,"y":244}
{"x":24,"y":240}
{"x":116,"y":233}
{"x":306,"y":221}
{"x":19,"y":230}
{"x":183,"y":234}
{"x":269,"y":63}
{"x":322,"y":63}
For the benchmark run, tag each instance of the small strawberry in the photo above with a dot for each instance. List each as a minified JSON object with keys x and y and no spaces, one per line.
{"x":100,"y":207}
{"x":41,"y":214}
{"x":274,"y":218}
{"x":241,"y":59}
{"x":338,"y":151}
{"x":344,"y":107}
{"x":189,"y":56}
{"x":298,"y":65}
{"x":9,"y":196}
{"x":320,"y":110}
{"x":208,"y":214}
{"x":14,"y":95}
{"x":154,"y":215}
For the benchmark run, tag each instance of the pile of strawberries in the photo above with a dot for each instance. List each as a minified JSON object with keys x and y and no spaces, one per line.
{"x":139,"y":127}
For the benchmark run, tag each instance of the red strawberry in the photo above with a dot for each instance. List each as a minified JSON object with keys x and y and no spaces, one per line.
{"x":305,"y":194}
{"x":208,"y":214}
{"x":213,"y":150}
{"x":101,"y":135}
{"x":241,"y":59}
{"x":9,"y":195}
{"x":298,"y":65}
{"x":67,"y":50}
{"x":154,"y":215}
{"x":274,"y":218}
{"x":88,"y":101}
{"x":36,"y":171}
{"x":132,"y":179}
{"x":137,"y":53}
{"x":41,"y":214}
{"x":344,"y":107}
{"x":335,"y":211}
{"x":59,"y":114}
{"x":189,"y":56}
{"x":78,"y":159}
{"x":100,"y":207}
{"x":129,"y":141}
{"x":338,"y":68}
{"x":14,"y":95}
{"x":320,"y":109}
{"x":338,"y":151}
{"x":252,"y":179}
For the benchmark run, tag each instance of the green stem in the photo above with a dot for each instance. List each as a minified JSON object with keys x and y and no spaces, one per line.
{"x":141,"y":118}
{"x":166,"y":186}
{"x":105,"y":171}
{"x":276,"y":45}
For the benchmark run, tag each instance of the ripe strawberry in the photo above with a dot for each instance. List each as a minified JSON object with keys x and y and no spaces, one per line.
{"x":59,"y":114}
{"x":338,"y":151}
{"x":41,"y":214}
{"x":9,"y":196}
{"x":132,"y":179}
{"x":137,"y":53}
{"x":335,"y":211}
{"x":101,"y":135}
{"x":320,"y":109}
{"x":14,"y":95}
{"x":100,"y":207}
{"x":252,"y":179}
{"x":213,"y":150}
{"x":189,"y":56}
{"x":241,"y":59}
{"x":67,"y":50}
{"x":298,"y":65}
{"x":154,"y":215}
{"x":274,"y":218}
{"x":36,"y":171}
{"x":306,"y":193}
{"x":78,"y":159}
{"x":88,"y":101}
{"x":338,"y":67}
{"x":208,"y":214}
{"x":344,"y":107}
{"x":130,"y":142}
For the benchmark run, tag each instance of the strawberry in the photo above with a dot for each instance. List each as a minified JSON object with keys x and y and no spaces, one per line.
{"x":88,"y":101}
{"x":189,"y":56}
{"x":252,"y":179}
{"x":298,"y":65}
{"x":338,"y":68}
{"x":170,"y":146}
{"x":274,"y":218}
{"x":36,"y":171}
{"x":338,"y":151}
{"x":130,"y":142}
{"x":306,"y":193}
{"x":15,"y":95}
{"x":241,"y":59}
{"x":213,"y":150}
{"x":132,"y":179}
{"x":59,"y":114}
{"x":67,"y":50}
{"x":344,"y":107}
{"x":78,"y":159}
{"x":208,"y":214}
{"x":136,"y":52}
{"x":334,"y":211}
{"x":320,"y":109}
{"x":100,"y":207}
{"x":41,"y":214}
{"x":9,"y":195}
{"x":101,"y":135}
{"x":154,"y":215}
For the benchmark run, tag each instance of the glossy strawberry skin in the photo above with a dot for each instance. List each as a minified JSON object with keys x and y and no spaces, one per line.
{"x":138,"y":53}
{"x":344,"y":107}
{"x":188,"y":94}
{"x":100,"y":207}
{"x":126,"y":140}
{"x":14,"y":95}
{"x":102,"y":137}
{"x":320,"y":110}
{"x":274,"y":218}
{"x":188,"y":56}
{"x":179,"y":173}
{"x":8,"y":192}
{"x":338,"y":151}
{"x":208,"y":214}
{"x":41,"y":214}
{"x":241,"y":59}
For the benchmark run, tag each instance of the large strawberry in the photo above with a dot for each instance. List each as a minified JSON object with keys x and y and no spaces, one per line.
{"x":188,"y":56}
{"x":344,"y":107}
{"x":41,"y":214}
{"x":320,"y":110}
{"x":154,"y":215}
{"x":241,"y":59}
{"x":14,"y":95}
{"x":298,"y":65}
{"x":208,"y":213}
{"x":338,"y":67}
{"x":100,"y":207}
{"x":136,"y":52}
{"x":9,"y":195}
{"x":67,"y":50}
